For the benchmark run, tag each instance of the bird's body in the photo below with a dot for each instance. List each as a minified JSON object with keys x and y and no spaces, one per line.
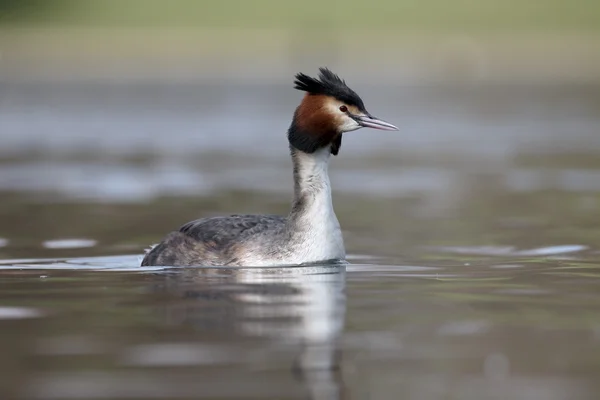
{"x":311,"y":232}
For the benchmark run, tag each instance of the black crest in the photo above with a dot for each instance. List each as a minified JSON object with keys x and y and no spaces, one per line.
{"x":329,"y":84}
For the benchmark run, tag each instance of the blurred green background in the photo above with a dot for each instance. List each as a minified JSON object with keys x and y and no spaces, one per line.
{"x":409,"y":40}
{"x":403,"y":15}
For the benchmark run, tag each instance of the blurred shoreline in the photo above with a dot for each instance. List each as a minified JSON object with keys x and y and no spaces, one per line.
{"x":249,"y":55}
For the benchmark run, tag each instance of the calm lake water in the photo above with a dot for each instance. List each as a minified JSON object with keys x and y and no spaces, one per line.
{"x":473,"y":233}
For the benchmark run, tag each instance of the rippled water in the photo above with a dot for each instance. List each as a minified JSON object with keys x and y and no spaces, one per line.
{"x":474,"y":240}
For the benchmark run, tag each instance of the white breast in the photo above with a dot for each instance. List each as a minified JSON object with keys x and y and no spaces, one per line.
{"x":316,"y":234}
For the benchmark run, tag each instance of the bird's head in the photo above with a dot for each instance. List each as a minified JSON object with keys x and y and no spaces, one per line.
{"x":329,"y":109}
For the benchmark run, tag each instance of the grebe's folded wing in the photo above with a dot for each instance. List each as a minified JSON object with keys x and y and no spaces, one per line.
{"x":211,"y":241}
{"x":221,"y":229}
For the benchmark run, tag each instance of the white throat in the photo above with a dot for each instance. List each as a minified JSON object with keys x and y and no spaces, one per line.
{"x":313,"y":219}
{"x":312,"y":174}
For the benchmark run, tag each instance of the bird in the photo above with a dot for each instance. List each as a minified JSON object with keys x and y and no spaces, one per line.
{"x":311,"y":232}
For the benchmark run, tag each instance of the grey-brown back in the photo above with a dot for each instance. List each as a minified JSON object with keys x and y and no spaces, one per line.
{"x":212,"y":241}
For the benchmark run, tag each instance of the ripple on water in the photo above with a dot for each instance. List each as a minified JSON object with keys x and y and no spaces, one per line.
{"x":178,"y":354}
{"x":112,"y":263}
{"x":131,"y":263}
{"x":464,"y":328}
{"x":19,"y":313}
{"x":390,"y":268}
{"x":69,"y":243}
{"x":510,"y":250}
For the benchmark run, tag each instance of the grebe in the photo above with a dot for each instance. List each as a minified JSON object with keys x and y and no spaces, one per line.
{"x":311,"y":232}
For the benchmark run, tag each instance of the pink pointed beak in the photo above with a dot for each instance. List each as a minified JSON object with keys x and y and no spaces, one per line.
{"x":368,"y":121}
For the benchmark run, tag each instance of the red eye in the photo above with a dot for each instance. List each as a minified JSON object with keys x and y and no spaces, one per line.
{"x":343,"y":108}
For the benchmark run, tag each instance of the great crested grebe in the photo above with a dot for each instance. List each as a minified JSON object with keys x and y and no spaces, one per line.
{"x":311,"y":232}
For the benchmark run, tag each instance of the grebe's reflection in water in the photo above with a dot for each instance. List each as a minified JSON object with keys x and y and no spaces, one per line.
{"x":300,"y":308}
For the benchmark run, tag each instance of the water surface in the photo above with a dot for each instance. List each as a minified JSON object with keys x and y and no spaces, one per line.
{"x":473,"y":233}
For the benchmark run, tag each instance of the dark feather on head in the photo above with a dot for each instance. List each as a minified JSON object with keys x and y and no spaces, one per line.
{"x":329,"y":84}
